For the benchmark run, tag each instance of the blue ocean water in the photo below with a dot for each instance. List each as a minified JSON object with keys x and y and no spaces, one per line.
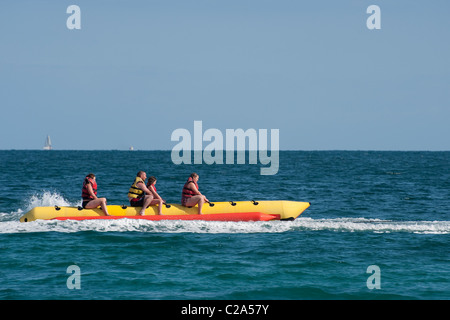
{"x":388,"y":209}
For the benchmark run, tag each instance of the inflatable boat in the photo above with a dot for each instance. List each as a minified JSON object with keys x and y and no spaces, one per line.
{"x":218,"y":211}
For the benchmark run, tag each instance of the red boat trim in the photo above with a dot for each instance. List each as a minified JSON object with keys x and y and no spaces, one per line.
{"x":242,"y":216}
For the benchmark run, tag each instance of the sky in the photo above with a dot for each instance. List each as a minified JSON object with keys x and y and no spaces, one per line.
{"x":138,"y":70}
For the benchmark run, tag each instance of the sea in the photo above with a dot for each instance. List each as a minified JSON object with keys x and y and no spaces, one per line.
{"x":378,"y":228}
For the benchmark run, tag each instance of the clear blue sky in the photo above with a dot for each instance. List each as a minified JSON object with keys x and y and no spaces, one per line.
{"x":138,"y":70}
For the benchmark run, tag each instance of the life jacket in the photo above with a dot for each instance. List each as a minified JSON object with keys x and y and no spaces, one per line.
{"x":150,"y":186}
{"x":85,"y":192}
{"x":135,"y":192}
{"x":188,"y":193}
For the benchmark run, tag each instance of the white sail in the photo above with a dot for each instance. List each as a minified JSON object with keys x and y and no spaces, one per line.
{"x":48,"y":144}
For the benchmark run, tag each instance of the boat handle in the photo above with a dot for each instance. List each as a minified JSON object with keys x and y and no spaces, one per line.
{"x":233,"y":203}
{"x":57,"y":208}
{"x":255,"y":202}
{"x":123,"y":207}
{"x":211,"y":204}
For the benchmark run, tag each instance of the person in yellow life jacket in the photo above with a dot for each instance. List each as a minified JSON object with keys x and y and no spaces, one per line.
{"x":89,"y":195}
{"x":141,"y":196}
{"x":190,"y":196}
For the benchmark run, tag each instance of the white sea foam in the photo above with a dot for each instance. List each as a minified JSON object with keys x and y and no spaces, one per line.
{"x":171,"y":226}
{"x":47,"y":199}
{"x":9,"y":223}
{"x":44,"y":199}
{"x":374,"y":225}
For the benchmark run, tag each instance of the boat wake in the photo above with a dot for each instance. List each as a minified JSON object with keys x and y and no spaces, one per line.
{"x":179,"y":226}
{"x":9,"y":223}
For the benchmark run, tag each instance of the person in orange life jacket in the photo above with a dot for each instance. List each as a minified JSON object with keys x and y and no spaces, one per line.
{"x":151,"y":186}
{"x":190,"y":195}
{"x":141,"y":196}
{"x":89,"y":195}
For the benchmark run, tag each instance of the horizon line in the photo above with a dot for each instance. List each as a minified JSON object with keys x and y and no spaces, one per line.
{"x":127,"y":150}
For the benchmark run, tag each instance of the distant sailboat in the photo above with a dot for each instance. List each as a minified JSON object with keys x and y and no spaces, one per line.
{"x":48,"y":144}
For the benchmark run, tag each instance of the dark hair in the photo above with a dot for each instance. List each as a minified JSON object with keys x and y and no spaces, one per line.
{"x":193,"y":175}
{"x":151,"y":180}
{"x":139,"y":173}
{"x":90,"y":175}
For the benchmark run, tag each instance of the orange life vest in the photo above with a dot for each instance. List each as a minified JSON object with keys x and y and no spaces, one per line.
{"x":188,"y":193}
{"x":85,"y":192}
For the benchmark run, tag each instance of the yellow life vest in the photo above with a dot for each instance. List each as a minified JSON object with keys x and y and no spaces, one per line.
{"x":134,"y":191}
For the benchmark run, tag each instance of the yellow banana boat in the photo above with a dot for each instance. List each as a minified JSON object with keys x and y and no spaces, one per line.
{"x":218,"y":211}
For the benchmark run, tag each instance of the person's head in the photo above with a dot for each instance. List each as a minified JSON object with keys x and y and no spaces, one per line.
{"x":142,"y":175}
{"x":151,"y":180}
{"x":91,"y":176}
{"x":194,"y":176}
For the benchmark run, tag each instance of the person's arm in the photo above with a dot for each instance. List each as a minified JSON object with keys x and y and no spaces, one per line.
{"x":195,"y":190}
{"x":142,"y":186}
{"x":157,"y":196}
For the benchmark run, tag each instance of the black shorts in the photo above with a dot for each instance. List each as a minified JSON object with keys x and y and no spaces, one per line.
{"x":85,"y":202}
{"x":137,"y":202}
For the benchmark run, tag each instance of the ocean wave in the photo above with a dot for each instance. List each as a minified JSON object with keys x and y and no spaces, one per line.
{"x":179,"y":226}
{"x":374,"y":225}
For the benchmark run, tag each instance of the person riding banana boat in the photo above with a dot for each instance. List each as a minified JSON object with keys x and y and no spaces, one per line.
{"x":142,"y":196}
